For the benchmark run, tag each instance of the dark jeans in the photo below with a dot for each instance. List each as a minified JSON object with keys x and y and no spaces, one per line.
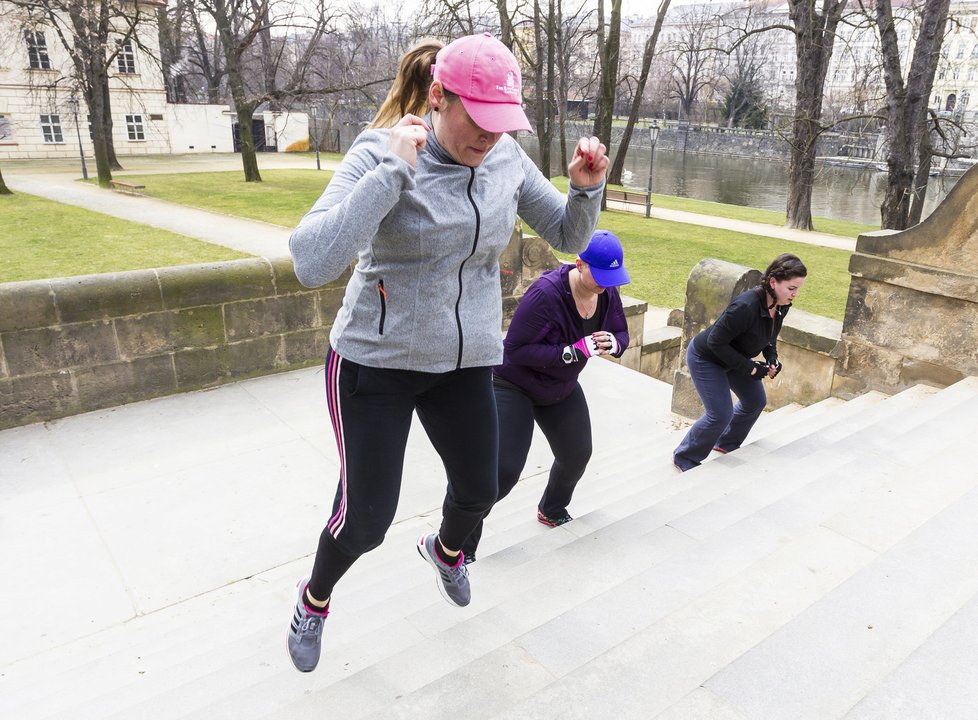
{"x":723,"y":425}
{"x":566,"y":425}
{"x":371,"y":411}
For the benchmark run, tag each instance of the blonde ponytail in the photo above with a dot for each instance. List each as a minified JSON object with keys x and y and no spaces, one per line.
{"x":409,"y":93}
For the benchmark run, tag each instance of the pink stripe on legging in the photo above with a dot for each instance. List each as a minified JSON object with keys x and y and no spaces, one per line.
{"x":336,"y":523}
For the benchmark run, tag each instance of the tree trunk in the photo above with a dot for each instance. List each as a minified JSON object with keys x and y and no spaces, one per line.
{"x":4,"y":190}
{"x":618,"y":164}
{"x":609,"y":49}
{"x":95,"y":98}
{"x":249,"y":157}
{"x":539,"y":90}
{"x":908,"y":142}
{"x":814,"y":41}
{"x":563,"y":64}
{"x":925,"y":154}
{"x":109,"y":140}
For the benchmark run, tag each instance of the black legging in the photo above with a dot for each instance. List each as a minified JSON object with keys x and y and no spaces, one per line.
{"x":371,"y":410}
{"x":567,"y":427}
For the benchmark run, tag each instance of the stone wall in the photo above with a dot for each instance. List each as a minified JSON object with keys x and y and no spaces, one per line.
{"x":71,"y":345}
{"x":912,"y":312}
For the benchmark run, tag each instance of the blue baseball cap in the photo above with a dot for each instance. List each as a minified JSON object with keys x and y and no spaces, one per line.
{"x":606,"y":260}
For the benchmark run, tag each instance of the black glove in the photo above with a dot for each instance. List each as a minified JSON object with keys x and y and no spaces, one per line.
{"x":777,"y":367}
{"x":760,"y":370}
{"x":770,"y":355}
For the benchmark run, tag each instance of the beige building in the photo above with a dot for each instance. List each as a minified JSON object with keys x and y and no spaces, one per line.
{"x":43,"y":113}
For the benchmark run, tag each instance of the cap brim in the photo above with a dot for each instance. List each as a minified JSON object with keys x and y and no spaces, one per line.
{"x":496,"y":117}
{"x":610,"y":278}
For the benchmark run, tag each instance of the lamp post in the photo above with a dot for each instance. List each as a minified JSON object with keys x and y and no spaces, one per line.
{"x":653,"y":136}
{"x":313,"y":112}
{"x":73,"y":106}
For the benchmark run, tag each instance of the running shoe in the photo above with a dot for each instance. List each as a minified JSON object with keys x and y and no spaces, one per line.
{"x":305,"y":638}
{"x":452,"y":580}
{"x":553,"y":521}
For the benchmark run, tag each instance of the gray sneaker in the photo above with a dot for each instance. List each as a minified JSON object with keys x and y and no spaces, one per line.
{"x":306,"y":633}
{"x":452,"y":580}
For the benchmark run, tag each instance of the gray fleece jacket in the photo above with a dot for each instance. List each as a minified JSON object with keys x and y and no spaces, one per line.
{"x":425,"y":293}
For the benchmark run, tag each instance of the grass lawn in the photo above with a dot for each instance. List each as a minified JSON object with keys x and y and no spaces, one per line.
{"x":660,"y":254}
{"x":843,"y":228}
{"x":43,"y":239}
{"x":281,"y":198}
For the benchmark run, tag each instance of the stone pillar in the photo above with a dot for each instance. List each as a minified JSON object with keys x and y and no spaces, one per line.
{"x":912,"y":312}
{"x":711,"y":286}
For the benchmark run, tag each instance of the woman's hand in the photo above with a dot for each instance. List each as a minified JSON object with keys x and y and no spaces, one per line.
{"x":606,"y":343}
{"x":408,"y":138}
{"x":589,"y":164}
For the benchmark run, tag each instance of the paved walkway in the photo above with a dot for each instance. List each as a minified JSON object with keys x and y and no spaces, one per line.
{"x":56,"y":180}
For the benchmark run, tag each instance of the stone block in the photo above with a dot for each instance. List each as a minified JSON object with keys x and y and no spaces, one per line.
{"x":632,"y":358}
{"x":214,"y":283}
{"x":685,"y":400}
{"x":164,"y":332}
{"x":330,"y":301}
{"x":101,"y":386}
{"x":636,"y":330}
{"x":201,"y":367}
{"x":36,"y":397}
{"x":305,"y":347}
{"x":30,"y":352}
{"x":807,"y":377}
{"x":283,"y":274}
{"x":109,"y":295}
{"x":26,"y":305}
{"x":510,"y":265}
{"x":270,"y":316}
{"x":256,"y":357}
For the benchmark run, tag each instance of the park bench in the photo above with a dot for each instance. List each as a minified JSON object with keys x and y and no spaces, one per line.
{"x":128,"y":187}
{"x":628,"y":197}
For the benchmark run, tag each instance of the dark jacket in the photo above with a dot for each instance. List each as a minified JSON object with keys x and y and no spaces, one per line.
{"x":545,"y":322}
{"x":742,"y":331}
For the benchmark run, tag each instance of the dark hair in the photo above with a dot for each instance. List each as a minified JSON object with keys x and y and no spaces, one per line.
{"x":409,"y":93}
{"x":784,"y":267}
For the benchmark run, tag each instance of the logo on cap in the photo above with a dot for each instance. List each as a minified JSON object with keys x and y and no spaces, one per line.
{"x":510,"y":88}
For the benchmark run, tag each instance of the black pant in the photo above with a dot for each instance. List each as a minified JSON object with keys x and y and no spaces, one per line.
{"x":567,"y":427}
{"x":371,"y":410}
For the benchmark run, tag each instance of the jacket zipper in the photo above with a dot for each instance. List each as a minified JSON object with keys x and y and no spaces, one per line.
{"x":383,"y":304}
{"x":475,"y":244}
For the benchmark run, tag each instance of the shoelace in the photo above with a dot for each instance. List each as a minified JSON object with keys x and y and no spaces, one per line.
{"x":454,"y":574}
{"x":310,"y":624}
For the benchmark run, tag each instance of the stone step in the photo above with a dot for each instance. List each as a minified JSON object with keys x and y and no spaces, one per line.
{"x":802,"y":564}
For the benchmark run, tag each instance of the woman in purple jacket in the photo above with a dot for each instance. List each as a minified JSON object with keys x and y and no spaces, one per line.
{"x":565,"y":317}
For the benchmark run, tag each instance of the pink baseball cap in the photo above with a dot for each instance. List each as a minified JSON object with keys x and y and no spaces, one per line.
{"x":485,"y":75}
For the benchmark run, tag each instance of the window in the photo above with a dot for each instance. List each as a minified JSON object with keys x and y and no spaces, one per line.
{"x":37,"y":50}
{"x":960,"y":53}
{"x":134,"y":126}
{"x":51,"y":129}
{"x":6,"y":130}
{"x":126,"y":59}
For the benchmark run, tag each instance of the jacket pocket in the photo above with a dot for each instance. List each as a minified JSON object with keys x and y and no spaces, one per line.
{"x":383,"y":304}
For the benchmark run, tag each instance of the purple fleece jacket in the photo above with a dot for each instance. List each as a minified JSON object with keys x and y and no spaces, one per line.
{"x":545,"y":322}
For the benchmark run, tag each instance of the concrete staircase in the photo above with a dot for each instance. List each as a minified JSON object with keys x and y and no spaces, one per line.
{"x":828,"y":569}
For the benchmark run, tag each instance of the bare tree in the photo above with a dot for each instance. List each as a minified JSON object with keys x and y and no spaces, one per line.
{"x":609,"y":52}
{"x":695,"y":56}
{"x":92,"y":34}
{"x":909,"y":146}
{"x":618,"y":162}
{"x":238,"y":24}
{"x":815,"y":34}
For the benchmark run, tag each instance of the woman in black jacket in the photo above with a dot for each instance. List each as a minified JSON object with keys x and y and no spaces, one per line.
{"x":720,"y":360}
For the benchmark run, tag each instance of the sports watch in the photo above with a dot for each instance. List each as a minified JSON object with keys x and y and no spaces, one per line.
{"x":568,"y":355}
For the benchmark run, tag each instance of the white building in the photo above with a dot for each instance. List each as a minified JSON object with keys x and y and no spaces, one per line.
{"x":43,"y":113}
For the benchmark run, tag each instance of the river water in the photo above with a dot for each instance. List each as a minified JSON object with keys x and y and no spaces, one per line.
{"x":841,"y":193}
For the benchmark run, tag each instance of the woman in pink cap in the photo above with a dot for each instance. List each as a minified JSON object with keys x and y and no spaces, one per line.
{"x":425,"y":202}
